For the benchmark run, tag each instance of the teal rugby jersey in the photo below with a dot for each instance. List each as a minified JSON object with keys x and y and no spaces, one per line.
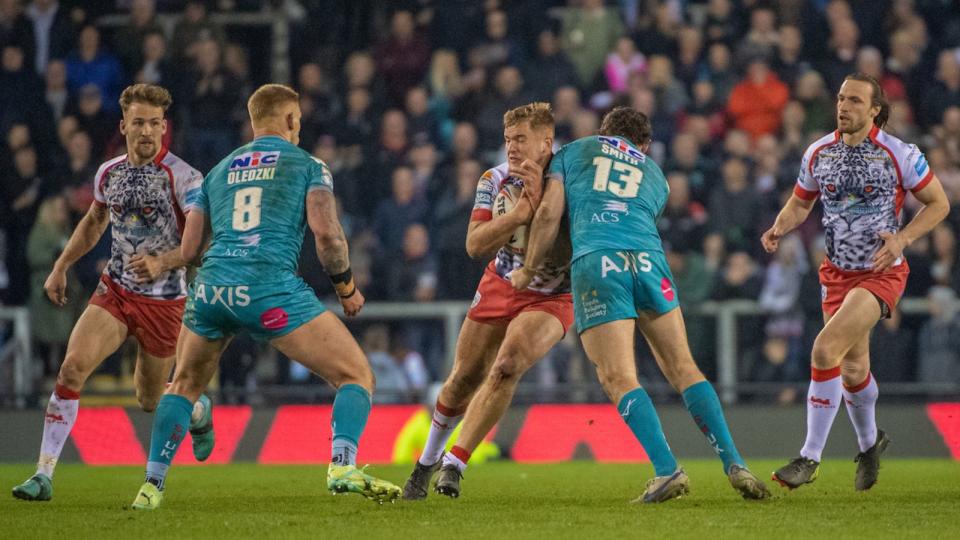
{"x":614,"y":195}
{"x":256,"y":201}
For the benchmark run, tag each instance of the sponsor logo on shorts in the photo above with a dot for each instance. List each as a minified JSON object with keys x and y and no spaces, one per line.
{"x":476,"y":300}
{"x":823,"y":293}
{"x":228,"y":297}
{"x":274,"y":319}
{"x":101,"y":289}
{"x":592,"y":306}
{"x":628,"y":262}
{"x":667,"y":289}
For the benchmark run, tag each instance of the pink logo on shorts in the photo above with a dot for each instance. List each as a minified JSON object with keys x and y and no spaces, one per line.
{"x":274,"y":318}
{"x":667,"y":289}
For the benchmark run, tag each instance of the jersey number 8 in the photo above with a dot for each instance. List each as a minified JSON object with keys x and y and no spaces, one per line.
{"x":246,"y":208}
{"x":627,"y":183}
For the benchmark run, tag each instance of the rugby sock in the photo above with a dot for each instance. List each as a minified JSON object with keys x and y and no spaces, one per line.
{"x":861,"y":401}
{"x":637,"y":411}
{"x":823,"y":402}
{"x":704,"y":406}
{"x":457,"y":457}
{"x":351,"y":408}
{"x":170,"y":424}
{"x":59,"y":419}
{"x":445,"y":420}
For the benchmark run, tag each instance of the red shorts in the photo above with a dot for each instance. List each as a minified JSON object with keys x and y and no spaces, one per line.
{"x":887,"y":286}
{"x":496,"y":302}
{"x":155,"y":323}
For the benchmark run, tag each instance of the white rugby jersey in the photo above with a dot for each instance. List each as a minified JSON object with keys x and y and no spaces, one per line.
{"x":553,"y":276}
{"x":147,"y":205}
{"x":862,"y":189}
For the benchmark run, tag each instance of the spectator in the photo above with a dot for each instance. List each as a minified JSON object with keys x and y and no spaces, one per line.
{"x":396,"y":214}
{"x":719,"y":71}
{"x":392,"y":386}
{"x":698,"y":169}
{"x":212,"y":101}
{"x":20,"y":89}
{"x":756,"y":104}
{"x":128,"y":41}
{"x":463,"y":148}
{"x":88,"y":64}
{"x":689,"y":51}
{"x":22,"y":190}
{"x":53,"y":32}
{"x":194,"y":27}
{"x":943,"y":247}
{"x":95,"y":120}
{"x":422,"y":159}
{"x":818,"y":104}
{"x":938,"y":354}
{"x":566,"y":103}
{"x":79,"y":173}
{"x":154,"y":67}
{"x":945,"y":90}
{"x":16,"y":30}
{"x":623,"y":62}
{"x":319,"y":103}
{"x":361,"y":72}
{"x":56,"y":94}
{"x":549,"y":69}
{"x":762,"y":36}
{"x":739,"y":279}
{"x":789,"y":62}
{"x":411,"y":364}
{"x":414,"y":276}
{"x":498,"y":47}
{"x":356,"y":126}
{"x":589,"y":33}
{"x":445,"y":81}
{"x":51,"y":324}
{"x":896,"y":364}
{"x":390,"y":152}
{"x":507,"y":94}
{"x":721,"y":25}
{"x":422,"y":125}
{"x":870,"y":61}
{"x":734,"y":207}
{"x":402,"y":58}
{"x":783,"y":360}
{"x":457,"y":273}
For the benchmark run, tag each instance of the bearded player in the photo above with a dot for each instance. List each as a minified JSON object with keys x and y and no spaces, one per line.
{"x":861,"y":175}
{"x":505,"y":332}
{"x":613,"y":193}
{"x":144,"y":195}
{"x":256,"y":204}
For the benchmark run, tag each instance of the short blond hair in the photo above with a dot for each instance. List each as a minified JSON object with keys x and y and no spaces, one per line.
{"x":538,"y":113}
{"x":268,"y":99}
{"x":150,"y":94}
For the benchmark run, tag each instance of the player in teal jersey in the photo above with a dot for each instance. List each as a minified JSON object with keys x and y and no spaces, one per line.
{"x":257,"y":203}
{"x":613,"y":194}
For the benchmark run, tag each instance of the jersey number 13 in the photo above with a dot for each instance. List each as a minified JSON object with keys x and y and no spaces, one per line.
{"x":626,"y":184}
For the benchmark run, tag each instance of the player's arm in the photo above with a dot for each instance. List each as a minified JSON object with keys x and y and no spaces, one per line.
{"x":332,"y":250}
{"x":936,"y":206}
{"x":543,"y":233}
{"x":790,"y":217}
{"x":84,"y":237}
{"x":484,"y":238}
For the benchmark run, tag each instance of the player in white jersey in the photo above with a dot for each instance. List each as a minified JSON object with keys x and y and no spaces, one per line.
{"x":506,"y":332}
{"x":861,"y":174}
{"x":144,"y":195}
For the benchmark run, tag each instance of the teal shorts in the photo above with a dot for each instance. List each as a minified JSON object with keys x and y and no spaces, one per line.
{"x":611,"y":285}
{"x":266,"y":311}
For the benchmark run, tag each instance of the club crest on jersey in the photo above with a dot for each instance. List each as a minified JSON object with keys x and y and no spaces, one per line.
{"x":252,"y":160}
{"x":622,"y":146}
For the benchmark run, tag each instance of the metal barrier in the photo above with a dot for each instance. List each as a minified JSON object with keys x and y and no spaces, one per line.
{"x":452,"y":314}
{"x":18,"y":353}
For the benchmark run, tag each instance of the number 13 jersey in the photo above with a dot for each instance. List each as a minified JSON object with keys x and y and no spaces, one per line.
{"x":614,"y":194}
{"x":256,"y":202}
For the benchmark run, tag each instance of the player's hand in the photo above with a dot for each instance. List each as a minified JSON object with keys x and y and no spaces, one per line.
{"x":56,"y":287}
{"x":521,"y":278}
{"x":145,"y":267}
{"x":532,"y":175}
{"x":889,"y":252}
{"x":771,"y":239}
{"x":353,"y":304}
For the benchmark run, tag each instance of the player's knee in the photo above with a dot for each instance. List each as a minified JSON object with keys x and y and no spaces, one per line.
{"x":854,"y":371}
{"x":148,"y":401}
{"x":462,"y":384}
{"x":616,"y":383}
{"x":70,"y":374}
{"x":824,"y":355}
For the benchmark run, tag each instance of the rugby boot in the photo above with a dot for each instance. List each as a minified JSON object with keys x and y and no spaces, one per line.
{"x":868,"y":463}
{"x":419,"y":482}
{"x":664,"y":488}
{"x":350,"y":479}
{"x":38,"y":487}
{"x":798,"y":472}
{"x":747,"y":484}
{"x":448,"y":482}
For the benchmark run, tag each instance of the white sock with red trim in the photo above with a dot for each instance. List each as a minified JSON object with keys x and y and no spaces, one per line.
{"x":59,"y":419}
{"x":861,"y":403}
{"x":458,"y":457}
{"x":823,"y":402}
{"x":444,"y":421}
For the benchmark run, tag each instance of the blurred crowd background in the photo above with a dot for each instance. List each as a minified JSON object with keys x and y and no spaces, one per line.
{"x":404,"y":101}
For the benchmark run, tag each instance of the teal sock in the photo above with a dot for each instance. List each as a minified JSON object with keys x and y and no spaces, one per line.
{"x":704,"y":406}
{"x":170,"y":425}
{"x":351,"y":408}
{"x":637,"y":411}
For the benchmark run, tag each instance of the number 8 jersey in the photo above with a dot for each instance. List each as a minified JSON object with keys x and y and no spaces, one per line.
{"x":614,"y":195}
{"x":256,"y":202}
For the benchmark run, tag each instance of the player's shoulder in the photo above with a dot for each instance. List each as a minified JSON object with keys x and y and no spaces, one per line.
{"x":109,"y":164}
{"x":178,"y":167}
{"x":497,"y":174}
{"x":896,"y":146}
{"x":827,"y":140}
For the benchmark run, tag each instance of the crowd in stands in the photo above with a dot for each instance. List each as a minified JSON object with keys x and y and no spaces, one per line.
{"x":404,"y":101}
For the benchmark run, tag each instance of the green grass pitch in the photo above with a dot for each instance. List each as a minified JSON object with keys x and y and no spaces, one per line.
{"x":584,"y":500}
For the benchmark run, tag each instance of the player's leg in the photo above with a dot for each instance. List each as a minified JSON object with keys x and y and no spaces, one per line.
{"x":529,"y":336}
{"x":197,"y":358}
{"x":477,"y":345}
{"x":858,"y":313}
{"x":326,"y":347}
{"x":860,"y":393}
{"x":667,"y":337}
{"x":610,"y":346}
{"x":96,"y":335}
